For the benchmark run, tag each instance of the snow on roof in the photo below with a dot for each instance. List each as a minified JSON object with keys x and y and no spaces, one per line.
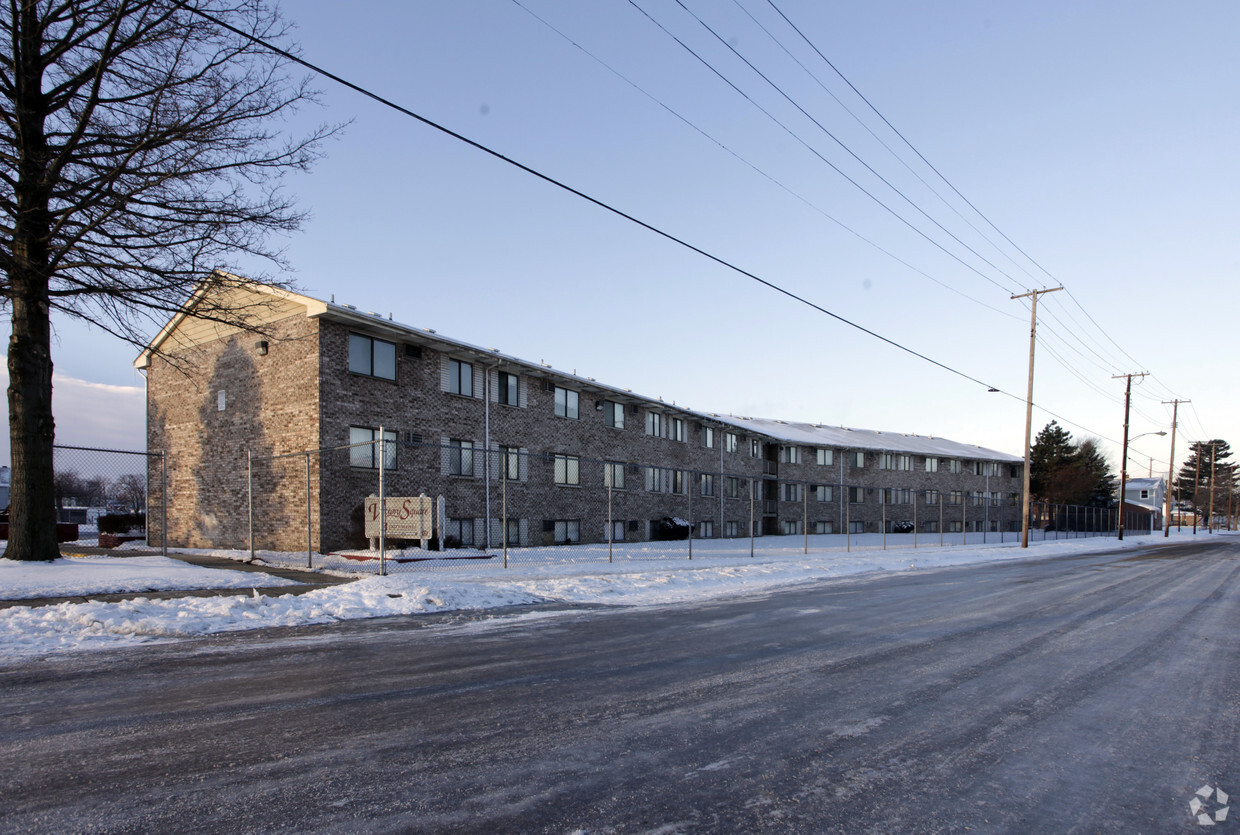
{"x":792,"y":432}
{"x":812,"y":434}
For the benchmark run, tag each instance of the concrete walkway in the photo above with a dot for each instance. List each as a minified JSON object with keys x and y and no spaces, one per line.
{"x":309,"y":580}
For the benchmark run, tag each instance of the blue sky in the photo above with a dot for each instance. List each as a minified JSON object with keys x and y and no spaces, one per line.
{"x":1100,"y":137}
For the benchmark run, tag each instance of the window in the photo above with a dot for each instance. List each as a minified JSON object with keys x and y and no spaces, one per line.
{"x":790,"y":492}
{"x":613,"y":414}
{"x":462,"y":530}
{"x":460,"y":378}
{"x":509,"y":462}
{"x":856,"y":527}
{"x":826,"y":457}
{"x":930,"y":527}
{"x":731,"y":529}
{"x":367,"y":456}
{"x":613,"y":531}
{"x":708,"y":437}
{"x":953,"y":466}
{"x":657,"y":479}
{"x":790,"y":455}
{"x":732,"y":487}
{"x":506,"y":389}
{"x":654,"y":424}
{"x":1016,"y":471}
{"x":894,"y":495}
{"x":979,"y":468}
{"x":460,"y":457}
{"x":824,"y":527}
{"x":856,"y":459}
{"x":708,"y":484}
{"x":567,"y":531}
{"x":932,"y":497}
{"x":955,"y":497}
{"x":822,"y":493}
{"x":996,"y":499}
{"x":955,"y":526}
{"x":372,"y":356}
{"x":678,"y":481}
{"x":706,"y":529}
{"x":977,"y":498}
{"x":512,"y":536}
{"x":568,"y":470}
{"x":1013,"y":499}
{"x":677,"y":430}
{"x":932,"y":465}
{"x":566,"y":401}
{"x":892,"y":461}
{"x":755,"y":448}
{"x":791,"y":527}
{"x":856,"y":495}
{"x":731,"y":442}
{"x":613,"y":475}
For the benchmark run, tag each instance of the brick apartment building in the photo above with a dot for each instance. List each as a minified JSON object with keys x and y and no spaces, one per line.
{"x":581,"y":461}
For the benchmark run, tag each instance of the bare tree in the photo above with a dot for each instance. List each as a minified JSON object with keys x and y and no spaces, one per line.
{"x":130,"y":490}
{"x":139,"y":151}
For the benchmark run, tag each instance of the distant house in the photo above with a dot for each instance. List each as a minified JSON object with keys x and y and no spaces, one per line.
{"x":5,"y":484}
{"x":521,"y":452}
{"x":1146,"y":496}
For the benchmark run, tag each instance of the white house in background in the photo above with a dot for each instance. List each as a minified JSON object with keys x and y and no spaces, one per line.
{"x":1147,"y":494}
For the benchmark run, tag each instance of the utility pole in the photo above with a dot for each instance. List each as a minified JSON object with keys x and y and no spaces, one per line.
{"x":1175,"y":416}
{"x":1033,"y":332}
{"x":1123,"y":465}
{"x":1210,"y":517}
{"x":1196,"y":487}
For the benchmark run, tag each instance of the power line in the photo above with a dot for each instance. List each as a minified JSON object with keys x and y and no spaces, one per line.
{"x":571,"y":190}
{"x":864,"y":239}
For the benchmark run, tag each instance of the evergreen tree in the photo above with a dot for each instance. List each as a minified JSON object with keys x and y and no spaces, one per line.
{"x":1063,"y":471}
{"x":1194,"y":478}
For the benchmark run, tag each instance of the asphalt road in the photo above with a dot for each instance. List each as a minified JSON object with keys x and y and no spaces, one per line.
{"x":1091,"y":694}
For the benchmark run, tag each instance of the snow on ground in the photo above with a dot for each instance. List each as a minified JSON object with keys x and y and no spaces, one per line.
{"x":79,"y":576}
{"x":640,"y":577}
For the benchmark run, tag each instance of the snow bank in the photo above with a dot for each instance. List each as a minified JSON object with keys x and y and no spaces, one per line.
{"x":27,"y":632}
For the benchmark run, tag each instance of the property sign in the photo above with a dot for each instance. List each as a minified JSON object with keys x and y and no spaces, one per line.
{"x":410,"y":517}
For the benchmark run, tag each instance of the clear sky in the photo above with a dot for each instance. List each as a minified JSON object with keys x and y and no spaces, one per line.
{"x":1100,"y":137}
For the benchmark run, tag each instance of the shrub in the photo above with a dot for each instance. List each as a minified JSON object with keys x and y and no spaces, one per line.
{"x":122,"y":523}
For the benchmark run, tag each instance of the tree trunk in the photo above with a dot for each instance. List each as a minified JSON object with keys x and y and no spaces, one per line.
{"x":32,"y":511}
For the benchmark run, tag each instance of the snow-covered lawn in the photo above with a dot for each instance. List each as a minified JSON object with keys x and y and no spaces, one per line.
{"x":640,"y":577}
{"x":79,"y":576}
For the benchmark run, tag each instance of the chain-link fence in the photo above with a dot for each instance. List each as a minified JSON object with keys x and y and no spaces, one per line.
{"x":110,"y":497}
{"x":457,"y":503}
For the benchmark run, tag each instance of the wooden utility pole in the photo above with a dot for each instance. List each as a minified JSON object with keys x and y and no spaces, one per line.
{"x":1175,"y":416}
{"x":1123,"y":465}
{"x":1033,"y":332}
{"x":1210,"y":517}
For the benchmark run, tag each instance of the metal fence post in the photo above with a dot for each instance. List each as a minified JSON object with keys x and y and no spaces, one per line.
{"x":249,"y":454}
{"x":309,"y":522}
{"x":503,"y":510}
{"x":164,"y":504}
{"x":382,"y":448}
{"x":611,"y":523}
{"x":753,"y":485}
{"x":689,"y":489}
{"x":805,"y":514}
{"x":882,"y":503}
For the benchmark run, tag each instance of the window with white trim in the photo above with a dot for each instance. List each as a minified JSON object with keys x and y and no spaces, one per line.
{"x":506,"y":389}
{"x":730,"y":442}
{"x":708,"y":437}
{"x":567,"y":531}
{"x":613,"y":475}
{"x":822,"y":493}
{"x":654,"y":424}
{"x":826,"y":457}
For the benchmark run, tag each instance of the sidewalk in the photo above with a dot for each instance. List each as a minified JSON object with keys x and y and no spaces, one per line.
{"x":309,"y":580}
